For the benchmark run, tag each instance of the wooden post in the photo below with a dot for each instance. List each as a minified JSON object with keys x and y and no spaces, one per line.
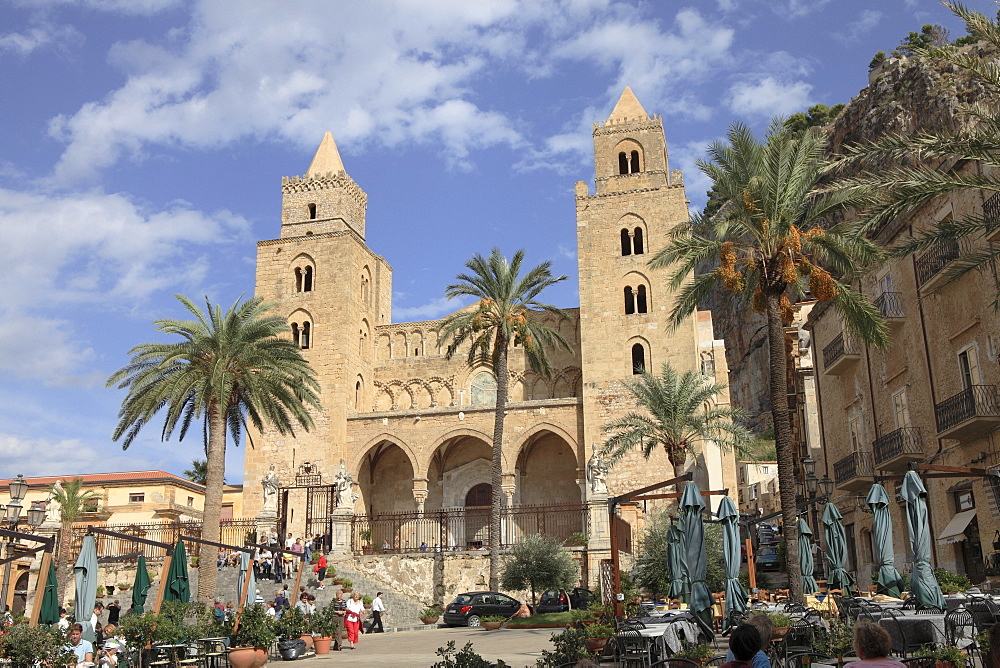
{"x":298,"y":577}
{"x":243,"y":595}
{"x":615,"y":567}
{"x":43,"y":581}
{"x":751,"y":566}
{"x":164,"y":574}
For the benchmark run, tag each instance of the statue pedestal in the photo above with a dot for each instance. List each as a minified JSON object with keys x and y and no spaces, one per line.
{"x":267,"y":521}
{"x":340,"y":541}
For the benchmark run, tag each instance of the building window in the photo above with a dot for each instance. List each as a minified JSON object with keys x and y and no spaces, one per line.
{"x":901,"y":408}
{"x":626,"y":243}
{"x":634,"y":162}
{"x":640,"y":300}
{"x":965,"y":501}
{"x":638,"y":359}
{"x":622,"y":163}
{"x":764,"y":469}
{"x":307,"y":280}
{"x":312,"y":210}
{"x":857,"y":435}
{"x":480,"y":495}
{"x":968,"y":364}
{"x":190,"y":502}
{"x":298,"y":279}
{"x":629,"y":300}
{"x":708,"y":364}
{"x":637,"y":241}
{"x":136,"y":497}
{"x":306,"y":335}
{"x":484,"y":389}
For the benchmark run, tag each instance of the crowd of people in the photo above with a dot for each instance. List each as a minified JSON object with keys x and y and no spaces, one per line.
{"x":275,"y":559}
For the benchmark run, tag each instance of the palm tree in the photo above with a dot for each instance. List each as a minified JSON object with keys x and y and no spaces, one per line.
{"x":72,"y":500}
{"x":679,"y":412}
{"x":227,"y":368}
{"x":771,"y":238}
{"x":505,"y":315}
{"x":199,"y":471}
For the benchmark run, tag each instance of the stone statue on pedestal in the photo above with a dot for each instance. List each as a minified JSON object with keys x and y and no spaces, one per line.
{"x":270,"y":485}
{"x":344,"y":485}
{"x":597,"y":471}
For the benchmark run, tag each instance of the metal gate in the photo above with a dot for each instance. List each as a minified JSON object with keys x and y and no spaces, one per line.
{"x":320,"y":502}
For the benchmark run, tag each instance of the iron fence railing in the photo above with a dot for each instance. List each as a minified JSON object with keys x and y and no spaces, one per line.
{"x":857,"y":464}
{"x":464,"y":528}
{"x":842,"y":344}
{"x":890,"y":305}
{"x":233,"y":532}
{"x":974,"y":401}
{"x":935,"y":259}
{"x":902,"y":441}
{"x":991,"y":212}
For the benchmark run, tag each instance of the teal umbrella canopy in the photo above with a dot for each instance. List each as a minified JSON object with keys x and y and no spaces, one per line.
{"x":178,"y":588}
{"x":889,"y":581}
{"x":678,"y":569}
{"x":140,"y":586}
{"x":836,"y":551}
{"x":809,"y":585}
{"x":922,"y":581}
{"x":246,"y":576}
{"x":736,"y":595}
{"x":85,"y":573}
{"x":49,"y":612}
{"x":692,"y":506}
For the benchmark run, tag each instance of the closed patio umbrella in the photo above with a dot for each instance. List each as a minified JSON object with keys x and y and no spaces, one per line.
{"x":178,"y":588}
{"x":889,"y":581}
{"x":85,"y":572}
{"x":678,"y":570}
{"x":836,"y":551}
{"x":809,"y":585}
{"x":247,"y":575}
{"x":140,"y":587}
{"x":922,"y":581}
{"x":49,"y":612}
{"x":736,"y":595}
{"x":692,"y":506}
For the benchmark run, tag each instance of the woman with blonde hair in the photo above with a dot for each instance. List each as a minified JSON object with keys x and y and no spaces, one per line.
{"x":354,"y":617}
{"x":873,"y":645}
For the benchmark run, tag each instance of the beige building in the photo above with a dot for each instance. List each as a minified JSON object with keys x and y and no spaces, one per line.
{"x":413,"y":430}
{"x":758,"y":487}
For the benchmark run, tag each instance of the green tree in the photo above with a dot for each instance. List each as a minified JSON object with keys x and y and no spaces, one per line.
{"x":900,"y":173}
{"x":73,"y":500}
{"x":652,"y":564}
{"x":227,"y":368}
{"x":199,"y":471}
{"x":771,"y":241}
{"x":538,"y":564}
{"x":678,"y":411}
{"x":930,"y":35}
{"x":506,"y":314}
{"x":817,"y":115}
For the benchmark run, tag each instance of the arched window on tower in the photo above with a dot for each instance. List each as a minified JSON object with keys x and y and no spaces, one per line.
{"x":622,"y":163}
{"x":640,"y":300}
{"x":307,"y":280}
{"x":480,"y":495}
{"x":637,"y":241}
{"x":306,"y":336}
{"x":638,"y":359}
{"x":626,"y":243}
{"x":629,"y":300}
{"x":357,"y":396}
{"x":634,"y":162}
{"x":296,"y":334}
{"x":298,"y":279}
{"x":312,"y":211}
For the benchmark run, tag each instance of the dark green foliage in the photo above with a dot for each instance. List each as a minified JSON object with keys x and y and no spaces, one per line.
{"x":25,"y":646}
{"x":818,"y":115}
{"x":538,"y":564}
{"x":951,"y":582}
{"x":568,"y":648}
{"x":876,"y":60}
{"x":293,"y":623}
{"x":466,"y":658}
{"x":255,"y":628}
{"x":930,"y":35}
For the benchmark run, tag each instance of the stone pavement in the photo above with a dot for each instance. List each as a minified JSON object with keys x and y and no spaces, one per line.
{"x":417,"y":648}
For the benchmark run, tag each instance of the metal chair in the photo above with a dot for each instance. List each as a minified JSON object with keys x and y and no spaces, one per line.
{"x":909,"y":604}
{"x":805,"y":659}
{"x":716,"y":660}
{"x":960,"y":625}
{"x":928,"y":609}
{"x":631,"y":649}
{"x":674,"y":663}
{"x":919,"y":661}
{"x":905,"y":644}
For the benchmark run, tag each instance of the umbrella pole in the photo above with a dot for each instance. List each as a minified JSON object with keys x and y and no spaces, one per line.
{"x":243,"y":595}
{"x":751,"y":566}
{"x":43,"y":581}
{"x":298,"y":576}
{"x":164,"y":577}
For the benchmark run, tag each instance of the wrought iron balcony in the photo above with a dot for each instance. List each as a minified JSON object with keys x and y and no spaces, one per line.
{"x":840,"y":353}
{"x":855,"y":471}
{"x":931,"y":265}
{"x":969,"y":413}
{"x":897,"y":448}
{"x":991,"y":212}
{"x":890,"y":305}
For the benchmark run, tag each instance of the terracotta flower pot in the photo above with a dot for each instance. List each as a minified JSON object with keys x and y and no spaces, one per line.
{"x":595,"y":644}
{"x":430,"y":620}
{"x":260,"y":656}
{"x":779,"y":632}
{"x":322,"y":644}
{"x":492,"y":626}
{"x":308,"y":639}
{"x":242,"y":657}
{"x":347,"y":589}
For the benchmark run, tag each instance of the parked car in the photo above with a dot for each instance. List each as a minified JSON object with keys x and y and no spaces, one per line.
{"x":555,"y":601}
{"x":468,"y":608}
{"x":767,"y":558}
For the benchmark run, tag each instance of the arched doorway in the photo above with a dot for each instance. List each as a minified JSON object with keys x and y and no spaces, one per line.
{"x":385,"y":481}
{"x":458,"y":483}
{"x":478,"y":501}
{"x":549,"y":495}
{"x":20,"y":601}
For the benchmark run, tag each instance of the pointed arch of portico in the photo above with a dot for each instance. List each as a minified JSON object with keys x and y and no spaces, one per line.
{"x":359,"y":456}
{"x":525,"y":437}
{"x":548,"y":466}
{"x":463,"y":431}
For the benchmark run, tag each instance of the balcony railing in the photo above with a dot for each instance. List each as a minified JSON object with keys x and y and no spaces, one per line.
{"x":973,"y":409}
{"x":903,"y":441}
{"x":991,"y":213}
{"x":853,"y":466}
{"x":841,"y":349}
{"x":890,"y":305}
{"x":934,"y":260}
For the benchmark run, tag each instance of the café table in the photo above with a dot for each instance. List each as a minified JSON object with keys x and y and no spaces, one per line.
{"x":918,"y":629}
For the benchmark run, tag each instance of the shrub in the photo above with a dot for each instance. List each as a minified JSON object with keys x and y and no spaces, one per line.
{"x":599,"y":631}
{"x":568,"y":648}
{"x":951,"y":582}
{"x":466,"y":658}
{"x":255,"y":628}
{"x":537,"y":564}
{"x":493,"y":618}
{"x":346,"y":583}
{"x":433,"y":610}
{"x":331,"y":571}
{"x":696,"y":653}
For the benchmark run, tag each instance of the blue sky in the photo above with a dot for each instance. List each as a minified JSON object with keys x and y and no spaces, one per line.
{"x":145,"y":140}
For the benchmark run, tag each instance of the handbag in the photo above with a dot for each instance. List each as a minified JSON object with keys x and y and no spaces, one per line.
{"x":316,"y":568}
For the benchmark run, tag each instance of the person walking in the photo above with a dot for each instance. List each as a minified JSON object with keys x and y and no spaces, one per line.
{"x":321,"y":571}
{"x":340,"y":611}
{"x":354,"y":617}
{"x":378,"y":609}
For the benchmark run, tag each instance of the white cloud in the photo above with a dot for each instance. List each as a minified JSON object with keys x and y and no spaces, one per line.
{"x":855,"y":30}
{"x":19,"y":454}
{"x":128,"y":7}
{"x":799,"y":8}
{"x":37,"y":37}
{"x":767,"y":97}
{"x":432,"y":310}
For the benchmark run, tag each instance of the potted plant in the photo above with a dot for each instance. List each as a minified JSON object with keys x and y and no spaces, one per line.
{"x":331,"y":571}
{"x":324,"y":625}
{"x":124,"y":586}
{"x":195,"y":561}
{"x":781,"y":623}
{"x":24,"y":646}
{"x":366,"y":541}
{"x":583,"y":618}
{"x":431,"y":614}
{"x":945,"y":656}
{"x":347,"y":585}
{"x":492,"y":622}
{"x":250,"y":644}
{"x":367,"y":601}
{"x":597,"y":637}
{"x":698,"y":653}
{"x":100,"y":591}
{"x":837,"y":641}
{"x":295,"y":624}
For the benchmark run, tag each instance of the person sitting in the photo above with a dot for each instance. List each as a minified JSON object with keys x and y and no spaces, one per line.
{"x":523,"y":611}
{"x":744,"y":643}
{"x":82,"y":649}
{"x":764,"y":628}
{"x":873,"y":644}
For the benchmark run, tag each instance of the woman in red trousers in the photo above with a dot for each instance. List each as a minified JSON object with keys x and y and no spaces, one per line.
{"x":354,"y":617}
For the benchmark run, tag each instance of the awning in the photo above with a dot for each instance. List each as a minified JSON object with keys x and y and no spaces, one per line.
{"x":955,"y":531}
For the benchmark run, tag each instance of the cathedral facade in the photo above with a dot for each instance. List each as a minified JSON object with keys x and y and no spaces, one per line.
{"x":411,"y":431}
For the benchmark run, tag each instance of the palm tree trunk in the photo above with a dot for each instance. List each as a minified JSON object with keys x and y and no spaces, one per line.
{"x":216,"y":472}
{"x":783,"y":442}
{"x":497,"y":469}
{"x":64,"y":561}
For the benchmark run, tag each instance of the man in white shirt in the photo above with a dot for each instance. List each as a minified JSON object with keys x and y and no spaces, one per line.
{"x":289,"y":541}
{"x":378,"y":609}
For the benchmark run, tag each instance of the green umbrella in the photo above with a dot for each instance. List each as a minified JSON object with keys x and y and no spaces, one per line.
{"x":889,"y":581}
{"x":85,"y":572}
{"x":922,"y":581}
{"x":177,"y":577}
{"x":692,"y":506}
{"x":736,"y":595}
{"x":809,"y":585}
{"x":678,"y":571}
{"x":836,"y":551}
{"x":49,"y":613}
{"x":140,"y":587}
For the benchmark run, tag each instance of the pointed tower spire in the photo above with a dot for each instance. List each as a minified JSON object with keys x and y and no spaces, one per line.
{"x":327,"y":158}
{"x":628,"y":108}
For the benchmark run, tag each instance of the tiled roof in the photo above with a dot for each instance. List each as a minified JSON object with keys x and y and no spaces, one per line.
{"x":97,"y":478}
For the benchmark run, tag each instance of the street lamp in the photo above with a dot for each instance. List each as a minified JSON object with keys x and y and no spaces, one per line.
{"x":12,"y":516}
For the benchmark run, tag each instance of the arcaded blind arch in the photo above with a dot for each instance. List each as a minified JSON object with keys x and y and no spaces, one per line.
{"x":626,"y":242}
{"x":483,"y":389}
